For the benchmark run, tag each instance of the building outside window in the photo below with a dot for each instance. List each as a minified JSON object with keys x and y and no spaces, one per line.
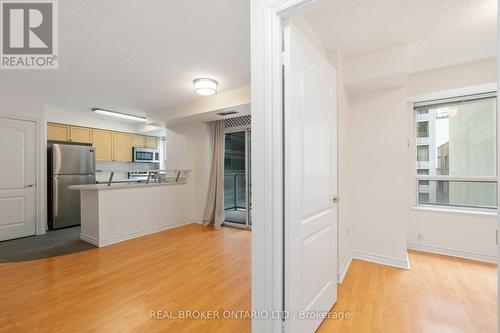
{"x":456,"y":152}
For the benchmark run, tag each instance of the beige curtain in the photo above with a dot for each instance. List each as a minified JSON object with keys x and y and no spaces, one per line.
{"x":214,"y":209}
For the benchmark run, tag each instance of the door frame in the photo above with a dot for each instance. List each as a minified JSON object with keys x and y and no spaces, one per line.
{"x":40,"y":169}
{"x":245,"y":129}
{"x":267,"y":158}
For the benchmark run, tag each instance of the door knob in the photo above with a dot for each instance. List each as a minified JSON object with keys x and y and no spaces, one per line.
{"x":28,"y":185}
{"x":335,"y":199}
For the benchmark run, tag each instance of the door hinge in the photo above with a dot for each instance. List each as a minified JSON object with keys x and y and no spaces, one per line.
{"x":496,"y":237}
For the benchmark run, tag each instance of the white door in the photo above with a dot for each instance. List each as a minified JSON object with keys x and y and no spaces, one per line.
{"x":17,"y":178}
{"x":310,"y":183}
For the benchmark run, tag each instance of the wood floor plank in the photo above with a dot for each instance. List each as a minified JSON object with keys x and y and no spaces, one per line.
{"x":439,"y":294}
{"x":113,"y":289}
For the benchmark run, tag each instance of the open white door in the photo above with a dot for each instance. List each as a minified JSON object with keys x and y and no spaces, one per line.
{"x":310,"y":183}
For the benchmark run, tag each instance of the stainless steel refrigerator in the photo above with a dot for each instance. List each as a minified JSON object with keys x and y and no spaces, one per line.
{"x":67,"y":165}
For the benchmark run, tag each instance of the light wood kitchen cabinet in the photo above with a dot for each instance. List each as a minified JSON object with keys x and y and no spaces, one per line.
{"x":109,"y":145}
{"x":57,"y":132}
{"x":80,"y":134}
{"x":139,"y":141}
{"x":103,"y":144}
{"x":122,"y":147}
{"x":152,"y":142}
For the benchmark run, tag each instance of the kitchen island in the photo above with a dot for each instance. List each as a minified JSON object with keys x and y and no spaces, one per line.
{"x":112,"y":213}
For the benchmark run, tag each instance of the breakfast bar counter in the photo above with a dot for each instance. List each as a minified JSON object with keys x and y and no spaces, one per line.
{"x":118,"y":212}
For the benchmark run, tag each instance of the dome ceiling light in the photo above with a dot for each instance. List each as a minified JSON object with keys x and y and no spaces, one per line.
{"x":205,"y":86}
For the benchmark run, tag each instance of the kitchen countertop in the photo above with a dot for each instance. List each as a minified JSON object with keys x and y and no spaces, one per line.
{"x":116,"y":186}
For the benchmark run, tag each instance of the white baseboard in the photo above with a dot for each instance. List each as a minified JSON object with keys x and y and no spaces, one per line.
{"x":197,"y":221}
{"x":453,"y":253}
{"x":382,"y":260}
{"x":132,"y":235}
{"x":89,"y":239}
{"x":343,"y":269}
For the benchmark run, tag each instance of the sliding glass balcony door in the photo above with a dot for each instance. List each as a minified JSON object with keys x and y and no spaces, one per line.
{"x":236,"y":178}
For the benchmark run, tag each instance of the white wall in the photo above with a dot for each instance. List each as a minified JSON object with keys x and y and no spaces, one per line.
{"x":453,"y":77}
{"x":379,"y":183}
{"x":345,"y":204}
{"x":379,"y":70}
{"x":189,"y":147}
{"x":464,"y":234}
{"x":376,"y":175}
{"x":90,"y":119}
{"x":223,"y":101}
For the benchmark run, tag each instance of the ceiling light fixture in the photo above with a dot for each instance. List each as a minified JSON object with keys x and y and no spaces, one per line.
{"x":205,"y":87}
{"x":119,"y":115}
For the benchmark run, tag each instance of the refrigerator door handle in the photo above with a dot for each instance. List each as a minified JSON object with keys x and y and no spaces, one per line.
{"x":55,"y":197}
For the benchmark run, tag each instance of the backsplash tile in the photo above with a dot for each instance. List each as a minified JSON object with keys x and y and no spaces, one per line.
{"x":104,"y":176}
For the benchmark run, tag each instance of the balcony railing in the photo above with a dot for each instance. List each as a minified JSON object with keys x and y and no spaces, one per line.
{"x":233,"y":192}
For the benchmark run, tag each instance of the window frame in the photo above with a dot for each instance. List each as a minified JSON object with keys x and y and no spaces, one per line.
{"x":458,"y":98}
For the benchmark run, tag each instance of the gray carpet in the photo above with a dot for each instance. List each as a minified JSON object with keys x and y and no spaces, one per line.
{"x":53,"y":243}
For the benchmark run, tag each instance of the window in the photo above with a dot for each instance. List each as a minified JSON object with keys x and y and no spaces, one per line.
{"x":423,"y":153}
{"x":422,"y":129}
{"x":422,"y":171}
{"x":456,"y":152}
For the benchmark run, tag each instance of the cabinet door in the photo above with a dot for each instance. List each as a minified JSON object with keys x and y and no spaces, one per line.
{"x":81,"y":134}
{"x":103,"y":144}
{"x":152,"y":142}
{"x":139,"y":141}
{"x":57,"y":132}
{"x":122,"y":147}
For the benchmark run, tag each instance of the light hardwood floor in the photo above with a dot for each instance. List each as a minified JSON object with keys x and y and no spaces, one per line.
{"x":113,"y":289}
{"x":439,"y":294}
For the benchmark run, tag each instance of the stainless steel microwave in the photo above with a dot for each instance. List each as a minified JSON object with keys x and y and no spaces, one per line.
{"x":146,"y":155}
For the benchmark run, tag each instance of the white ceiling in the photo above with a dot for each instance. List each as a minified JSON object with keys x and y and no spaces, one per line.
{"x":139,"y":56}
{"x":439,"y":32}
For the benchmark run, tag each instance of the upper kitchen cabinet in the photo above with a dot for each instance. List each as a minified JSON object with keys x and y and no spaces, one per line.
{"x":109,"y":145}
{"x":80,"y":134}
{"x":57,"y":132}
{"x":139,"y":141}
{"x":122,"y":147}
{"x":152,"y":142}
{"x":103,"y":144}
